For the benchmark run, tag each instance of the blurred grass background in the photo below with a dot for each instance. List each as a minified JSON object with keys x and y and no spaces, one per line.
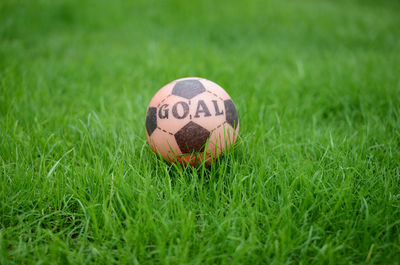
{"x":315,"y":178}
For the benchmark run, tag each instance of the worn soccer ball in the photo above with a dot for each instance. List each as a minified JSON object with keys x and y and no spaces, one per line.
{"x":190,"y":121}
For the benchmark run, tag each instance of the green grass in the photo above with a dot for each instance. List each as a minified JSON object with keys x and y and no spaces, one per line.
{"x":315,"y":178}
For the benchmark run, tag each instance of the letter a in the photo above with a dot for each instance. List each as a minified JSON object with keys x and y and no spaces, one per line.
{"x":202,"y":108}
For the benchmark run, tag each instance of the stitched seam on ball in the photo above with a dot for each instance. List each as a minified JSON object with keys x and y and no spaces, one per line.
{"x":218,"y":126}
{"x":163,"y":100}
{"x":164,"y":130}
{"x":214,"y":130}
{"x":215,"y":95}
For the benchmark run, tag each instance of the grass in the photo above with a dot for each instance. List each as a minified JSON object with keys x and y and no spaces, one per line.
{"x":314,"y":180}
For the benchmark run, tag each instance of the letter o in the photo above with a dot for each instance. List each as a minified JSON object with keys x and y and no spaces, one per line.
{"x":185,"y":107}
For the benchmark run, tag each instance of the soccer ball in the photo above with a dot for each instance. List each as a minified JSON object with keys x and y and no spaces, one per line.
{"x":191,"y":120}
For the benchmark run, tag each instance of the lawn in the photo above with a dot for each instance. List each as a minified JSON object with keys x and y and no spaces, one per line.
{"x":314,"y":178}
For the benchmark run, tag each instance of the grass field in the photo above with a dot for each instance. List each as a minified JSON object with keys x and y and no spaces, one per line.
{"x":315,"y":178}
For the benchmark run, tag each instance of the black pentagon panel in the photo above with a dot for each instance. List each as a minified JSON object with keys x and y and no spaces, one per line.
{"x":151,"y":120}
{"x":188,"y":88}
{"x":231,"y":113}
{"x":192,"y":138}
